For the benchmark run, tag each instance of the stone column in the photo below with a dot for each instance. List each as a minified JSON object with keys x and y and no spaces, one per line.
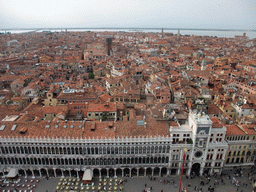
{"x":107,"y":172}
{"x":40,"y":174}
{"x":145,"y":171}
{"x":54,"y":171}
{"x":160,"y":170}
{"x":99,"y":173}
{"x":202,"y":169}
{"x":178,"y":171}
{"x":153,"y":171}
{"x":130,"y":172}
{"x":211,"y":171}
{"x":62,"y":175}
{"x":47,"y":172}
{"x":137,"y":172}
{"x":25,"y":173}
{"x":168,"y":171}
{"x":122,"y":172}
{"x":115,"y":172}
{"x":70,"y":172}
{"x":33,"y":175}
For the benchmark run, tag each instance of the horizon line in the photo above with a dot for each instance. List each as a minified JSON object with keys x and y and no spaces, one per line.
{"x":158,"y":28}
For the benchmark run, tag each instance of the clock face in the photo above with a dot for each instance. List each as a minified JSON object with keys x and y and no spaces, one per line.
{"x":198,"y":154}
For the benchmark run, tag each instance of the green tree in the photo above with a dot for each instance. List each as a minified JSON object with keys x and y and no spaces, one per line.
{"x":91,"y":76}
{"x":190,"y":141}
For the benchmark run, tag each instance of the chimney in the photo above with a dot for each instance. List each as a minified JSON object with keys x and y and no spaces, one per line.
{"x":125,"y":118}
{"x":145,"y":124}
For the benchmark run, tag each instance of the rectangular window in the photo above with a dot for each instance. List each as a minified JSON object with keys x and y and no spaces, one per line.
{"x":200,"y":143}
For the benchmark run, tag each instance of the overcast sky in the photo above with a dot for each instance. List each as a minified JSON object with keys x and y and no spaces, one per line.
{"x":205,"y":14}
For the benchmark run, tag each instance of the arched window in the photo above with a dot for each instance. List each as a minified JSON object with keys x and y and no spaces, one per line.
{"x":152,"y":149}
{"x":160,"y":149}
{"x":164,"y":148}
{"x":136,"y":150}
{"x":156,"y":149}
{"x":148,"y":150}
{"x":14,"y":150}
{"x":132,"y":150}
{"x":144,"y":149}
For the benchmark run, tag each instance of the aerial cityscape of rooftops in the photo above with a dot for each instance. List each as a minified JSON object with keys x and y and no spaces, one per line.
{"x":126,"y":103}
{"x":97,"y":94}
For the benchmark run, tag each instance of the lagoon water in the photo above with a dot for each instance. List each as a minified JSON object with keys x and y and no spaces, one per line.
{"x":198,"y":32}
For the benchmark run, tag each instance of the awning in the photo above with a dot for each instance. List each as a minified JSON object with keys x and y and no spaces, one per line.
{"x":88,"y":174}
{"x":12,"y":173}
{"x":216,"y":170}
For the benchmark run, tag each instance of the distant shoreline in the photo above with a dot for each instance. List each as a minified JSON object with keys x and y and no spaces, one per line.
{"x":227,"y":33}
{"x":127,"y":28}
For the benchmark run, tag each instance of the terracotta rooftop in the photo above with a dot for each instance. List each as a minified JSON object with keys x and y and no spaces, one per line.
{"x":234,"y":130}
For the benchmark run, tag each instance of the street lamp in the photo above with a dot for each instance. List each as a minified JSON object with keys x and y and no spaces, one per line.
{"x":184,"y":156}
